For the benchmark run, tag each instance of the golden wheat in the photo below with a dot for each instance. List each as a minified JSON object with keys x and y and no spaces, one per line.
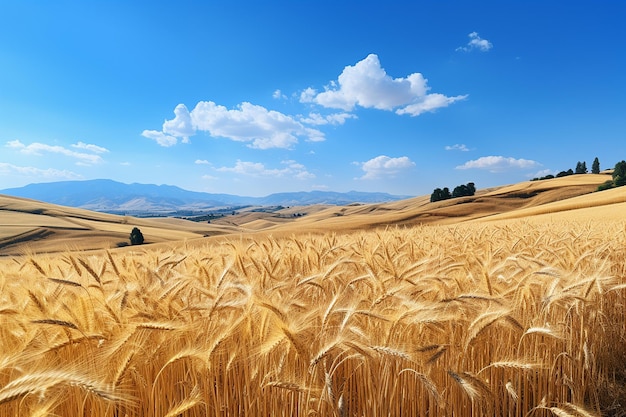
{"x":514,"y":320}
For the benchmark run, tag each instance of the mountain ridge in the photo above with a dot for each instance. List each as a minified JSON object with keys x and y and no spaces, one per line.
{"x":107,"y":195}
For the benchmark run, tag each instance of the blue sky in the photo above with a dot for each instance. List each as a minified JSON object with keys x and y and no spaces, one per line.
{"x":253,"y":98}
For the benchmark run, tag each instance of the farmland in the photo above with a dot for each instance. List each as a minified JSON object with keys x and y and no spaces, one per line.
{"x":515,"y":311}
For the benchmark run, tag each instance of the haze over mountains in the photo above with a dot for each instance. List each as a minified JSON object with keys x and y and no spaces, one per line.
{"x":112,"y":196}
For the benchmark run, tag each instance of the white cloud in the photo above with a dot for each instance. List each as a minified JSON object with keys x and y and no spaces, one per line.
{"x":50,"y":173}
{"x":384,"y":166}
{"x":476,"y":42}
{"x":261,"y":128}
{"x":366,"y":84}
{"x":457,"y":147}
{"x":37,"y":148}
{"x":499,"y":164}
{"x":180,"y":126}
{"x":160,"y":137}
{"x":292,"y":169}
{"x":332,"y":119}
{"x":279,"y":95}
{"x":430,"y":102}
{"x":90,"y":147}
{"x":308,"y":95}
{"x":201,"y":162}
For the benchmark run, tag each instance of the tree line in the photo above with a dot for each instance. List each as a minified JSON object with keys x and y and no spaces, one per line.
{"x":581,"y":168}
{"x":619,"y":177}
{"x":619,"y":174}
{"x":440,"y":194}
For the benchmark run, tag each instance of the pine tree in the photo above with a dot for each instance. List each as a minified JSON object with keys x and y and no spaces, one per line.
{"x":595,"y":166}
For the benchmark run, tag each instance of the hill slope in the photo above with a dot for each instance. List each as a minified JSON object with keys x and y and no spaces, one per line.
{"x":31,"y":226}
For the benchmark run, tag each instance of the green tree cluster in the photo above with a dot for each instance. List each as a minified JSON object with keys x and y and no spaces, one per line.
{"x":581,"y":168}
{"x":565,"y":173}
{"x":136,"y":237}
{"x":440,"y":194}
{"x":619,"y":177}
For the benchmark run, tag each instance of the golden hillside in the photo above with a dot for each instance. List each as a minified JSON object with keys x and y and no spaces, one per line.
{"x":29,"y":226}
{"x":507,"y":303}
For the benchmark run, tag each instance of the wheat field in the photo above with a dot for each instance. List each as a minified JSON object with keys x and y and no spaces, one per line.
{"x":515,"y":319}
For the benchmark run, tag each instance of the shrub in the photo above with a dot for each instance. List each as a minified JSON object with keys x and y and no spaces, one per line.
{"x":136,"y":237}
{"x":565,"y":173}
{"x":607,"y":185}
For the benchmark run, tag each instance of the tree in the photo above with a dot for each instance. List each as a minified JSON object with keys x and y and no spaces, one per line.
{"x":136,"y":237}
{"x":619,"y":174}
{"x":581,"y":168}
{"x":464,"y":190}
{"x":595,"y":166}
{"x":439,"y":194}
{"x":459,"y":191}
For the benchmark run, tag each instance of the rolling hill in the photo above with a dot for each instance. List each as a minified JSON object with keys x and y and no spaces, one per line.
{"x":30,"y":226}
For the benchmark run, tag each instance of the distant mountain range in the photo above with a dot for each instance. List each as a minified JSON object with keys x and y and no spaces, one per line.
{"x":116,"y":197}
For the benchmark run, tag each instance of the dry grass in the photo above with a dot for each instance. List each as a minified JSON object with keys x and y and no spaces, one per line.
{"x":517,"y":319}
{"x":29,"y":226}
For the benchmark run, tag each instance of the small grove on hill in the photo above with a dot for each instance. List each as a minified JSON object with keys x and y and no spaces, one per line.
{"x":581,"y":168}
{"x":618,"y":175}
{"x":619,"y":179}
{"x":459,"y":191}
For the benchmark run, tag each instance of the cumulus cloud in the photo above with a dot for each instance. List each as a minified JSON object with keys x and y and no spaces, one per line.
{"x":291,"y":169}
{"x":39,"y":149}
{"x":202,"y":162}
{"x":50,"y":173}
{"x":384,"y":167}
{"x":367,"y":85}
{"x":308,"y":95}
{"x":499,"y":164}
{"x":180,"y":126}
{"x":457,"y":147}
{"x":476,"y":42}
{"x":262,"y":128}
{"x":259,"y":127}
